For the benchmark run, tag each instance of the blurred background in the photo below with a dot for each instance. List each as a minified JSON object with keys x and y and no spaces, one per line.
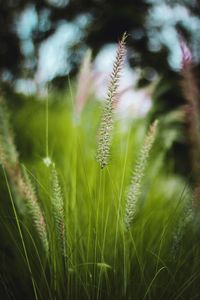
{"x":43,"y":42}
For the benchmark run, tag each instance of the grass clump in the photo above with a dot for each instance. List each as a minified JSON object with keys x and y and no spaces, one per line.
{"x":79,"y":208}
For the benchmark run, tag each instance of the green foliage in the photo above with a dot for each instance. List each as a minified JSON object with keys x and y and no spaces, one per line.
{"x":20,"y":180}
{"x":67,"y":219}
{"x":84,"y":206}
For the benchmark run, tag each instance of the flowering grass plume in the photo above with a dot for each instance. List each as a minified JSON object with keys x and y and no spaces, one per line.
{"x":8,"y":152}
{"x":27,"y":192}
{"x":186,"y":218}
{"x":58,"y":209}
{"x":138,"y":174}
{"x":84,"y":82}
{"x":106,"y":125}
{"x":20,"y":180}
{"x":191,"y":93}
{"x":186,"y":61}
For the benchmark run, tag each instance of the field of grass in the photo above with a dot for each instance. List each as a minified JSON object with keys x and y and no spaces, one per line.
{"x":91,"y":208}
{"x":96,"y":257}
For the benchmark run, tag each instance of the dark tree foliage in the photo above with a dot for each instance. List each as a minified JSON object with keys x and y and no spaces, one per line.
{"x":108,"y":20}
{"x":10,"y":54}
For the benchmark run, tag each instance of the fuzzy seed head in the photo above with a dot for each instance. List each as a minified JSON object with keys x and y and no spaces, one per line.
{"x":138,"y":174}
{"x":8,"y":152}
{"x":84,"y":82}
{"x":58,"y":209}
{"x":106,"y":124}
{"x":186,"y":54}
{"x":27,"y":192}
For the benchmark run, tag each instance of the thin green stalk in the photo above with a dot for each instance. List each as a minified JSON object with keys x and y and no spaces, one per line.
{"x":120,"y":199}
{"x":98,"y":199}
{"x":47,"y":125}
{"x":104,"y":269}
{"x":152,"y":281}
{"x":71,"y":93}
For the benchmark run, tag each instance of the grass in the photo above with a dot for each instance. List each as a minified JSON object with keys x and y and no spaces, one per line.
{"x":158,"y":258}
{"x":93,"y":216}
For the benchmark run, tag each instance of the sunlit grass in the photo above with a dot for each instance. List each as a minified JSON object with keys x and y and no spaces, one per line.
{"x":156,"y":259}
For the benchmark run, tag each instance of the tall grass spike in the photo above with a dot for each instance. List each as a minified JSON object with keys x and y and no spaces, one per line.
{"x":8,"y":152}
{"x":58,"y":208}
{"x":138,"y":174}
{"x":28,"y":193}
{"x":106,"y":125}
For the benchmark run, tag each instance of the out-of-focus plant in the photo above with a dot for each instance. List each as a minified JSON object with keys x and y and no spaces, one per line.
{"x":191,"y":94}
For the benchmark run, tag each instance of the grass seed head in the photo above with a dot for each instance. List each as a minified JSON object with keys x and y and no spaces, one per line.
{"x":106,"y":125}
{"x":27,"y":192}
{"x":138,"y":174}
{"x":8,"y":152}
{"x":58,"y":208}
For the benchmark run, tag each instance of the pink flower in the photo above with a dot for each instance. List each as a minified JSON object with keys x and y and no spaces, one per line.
{"x":186,"y":54}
